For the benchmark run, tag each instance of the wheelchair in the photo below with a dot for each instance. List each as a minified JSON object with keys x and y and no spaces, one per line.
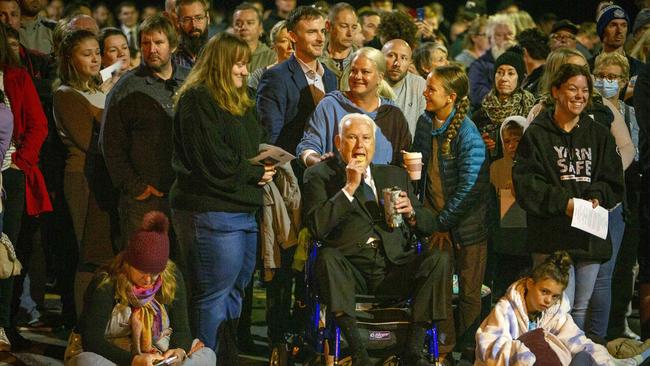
{"x":383,"y":323}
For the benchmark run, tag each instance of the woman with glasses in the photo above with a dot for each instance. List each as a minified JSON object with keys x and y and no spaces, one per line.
{"x":475,"y":42}
{"x":611,"y":74}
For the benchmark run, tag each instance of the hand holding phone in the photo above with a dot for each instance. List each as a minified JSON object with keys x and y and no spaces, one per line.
{"x":420,"y":14}
{"x":166,"y":361}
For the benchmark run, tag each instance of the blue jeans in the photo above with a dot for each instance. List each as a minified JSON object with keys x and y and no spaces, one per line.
{"x":582,"y":278}
{"x":222,"y":248}
{"x":601,"y":299}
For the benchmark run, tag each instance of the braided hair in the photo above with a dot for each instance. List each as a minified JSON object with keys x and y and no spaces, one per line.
{"x":455,"y":81}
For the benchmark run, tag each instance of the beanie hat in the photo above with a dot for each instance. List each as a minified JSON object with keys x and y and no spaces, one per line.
{"x":148,"y":249}
{"x":515,"y":60}
{"x":608,"y":14}
{"x":642,"y":18}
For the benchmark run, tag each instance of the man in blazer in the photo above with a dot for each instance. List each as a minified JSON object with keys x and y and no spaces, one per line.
{"x":288,"y":93}
{"x":361,"y":253}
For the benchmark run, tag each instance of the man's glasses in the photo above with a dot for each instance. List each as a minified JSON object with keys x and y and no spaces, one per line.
{"x":197,"y":19}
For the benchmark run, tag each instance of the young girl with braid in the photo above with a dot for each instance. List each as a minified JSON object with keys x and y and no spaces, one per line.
{"x":532,"y":324}
{"x":454,"y":185}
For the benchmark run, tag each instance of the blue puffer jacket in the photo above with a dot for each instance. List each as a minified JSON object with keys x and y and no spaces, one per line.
{"x":464,"y":177}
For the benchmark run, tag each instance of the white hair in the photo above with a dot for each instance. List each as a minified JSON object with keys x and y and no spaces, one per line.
{"x":499,"y":19}
{"x":353,"y":116}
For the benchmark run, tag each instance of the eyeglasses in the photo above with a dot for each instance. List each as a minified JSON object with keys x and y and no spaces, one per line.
{"x":609,"y":77}
{"x":563,"y":37}
{"x":197,"y":19}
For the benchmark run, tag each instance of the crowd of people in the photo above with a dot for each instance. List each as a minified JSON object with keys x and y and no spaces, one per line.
{"x":130,"y":139}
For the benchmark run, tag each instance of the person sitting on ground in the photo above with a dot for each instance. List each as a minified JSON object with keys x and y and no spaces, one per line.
{"x":135,"y":310}
{"x":531,"y":324}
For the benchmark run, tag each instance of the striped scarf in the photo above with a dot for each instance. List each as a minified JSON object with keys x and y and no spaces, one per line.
{"x":148,"y":317}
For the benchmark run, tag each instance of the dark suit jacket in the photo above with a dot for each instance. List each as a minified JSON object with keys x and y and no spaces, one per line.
{"x":285,"y":103}
{"x":337,"y":222}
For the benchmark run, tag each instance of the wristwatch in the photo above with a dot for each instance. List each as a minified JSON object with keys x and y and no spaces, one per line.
{"x":411,"y":216}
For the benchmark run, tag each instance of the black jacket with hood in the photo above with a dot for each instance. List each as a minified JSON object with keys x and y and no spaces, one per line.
{"x":546,"y":176}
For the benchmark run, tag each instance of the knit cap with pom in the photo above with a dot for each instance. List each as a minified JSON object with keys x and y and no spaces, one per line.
{"x":148,"y":249}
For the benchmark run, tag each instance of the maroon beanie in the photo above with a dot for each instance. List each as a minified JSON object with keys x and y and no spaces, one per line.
{"x":148,"y":248}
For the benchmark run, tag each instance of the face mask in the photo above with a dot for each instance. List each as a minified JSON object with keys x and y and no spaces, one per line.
{"x":607,"y":88}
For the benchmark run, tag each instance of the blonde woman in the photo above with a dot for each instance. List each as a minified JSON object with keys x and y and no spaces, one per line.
{"x":217,"y":191}
{"x":368,"y":94}
{"x":135,"y":310}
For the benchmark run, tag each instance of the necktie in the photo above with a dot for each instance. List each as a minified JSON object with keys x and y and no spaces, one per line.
{"x":132,"y":43}
{"x":370,"y":201}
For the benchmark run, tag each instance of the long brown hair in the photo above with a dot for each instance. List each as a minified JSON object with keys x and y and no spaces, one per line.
{"x":213,"y":70}
{"x":68,"y":74}
{"x":454,"y":80}
{"x":115,"y":272}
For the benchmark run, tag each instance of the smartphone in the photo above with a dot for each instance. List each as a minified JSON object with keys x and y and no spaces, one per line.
{"x":420,"y":14}
{"x":167,"y":361}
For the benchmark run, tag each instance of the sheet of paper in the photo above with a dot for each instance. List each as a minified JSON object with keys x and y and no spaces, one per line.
{"x":512,"y":215}
{"x":272,"y":155}
{"x":107,"y":73}
{"x":588,"y":219}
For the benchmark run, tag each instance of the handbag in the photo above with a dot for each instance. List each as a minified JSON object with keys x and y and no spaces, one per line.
{"x":9,"y":263}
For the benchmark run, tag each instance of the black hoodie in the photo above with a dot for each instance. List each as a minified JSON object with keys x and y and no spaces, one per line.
{"x":546,"y":176}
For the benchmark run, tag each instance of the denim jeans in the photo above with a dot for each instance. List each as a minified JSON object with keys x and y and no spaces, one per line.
{"x":601,"y":299}
{"x":582,"y":277}
{"x":222,"y":248}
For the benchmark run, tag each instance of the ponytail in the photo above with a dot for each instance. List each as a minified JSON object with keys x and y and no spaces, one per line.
{"x":556,"y":267}
{"x":384,"y":90}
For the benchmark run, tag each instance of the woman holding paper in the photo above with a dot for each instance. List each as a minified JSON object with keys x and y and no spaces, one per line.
{"x":564,"y":157}
{"x":217,"y":191}
{"x":114,"y":47}
{"x":78,"y":105}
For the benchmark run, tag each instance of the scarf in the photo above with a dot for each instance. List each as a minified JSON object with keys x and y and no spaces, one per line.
{"x":148,"y":317}
{"x":519,"y":104}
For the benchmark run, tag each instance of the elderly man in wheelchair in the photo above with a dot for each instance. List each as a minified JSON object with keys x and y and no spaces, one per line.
{"x":361,"y":253}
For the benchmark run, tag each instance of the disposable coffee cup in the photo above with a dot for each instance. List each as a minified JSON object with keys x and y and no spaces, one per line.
{"x":413,"y":163}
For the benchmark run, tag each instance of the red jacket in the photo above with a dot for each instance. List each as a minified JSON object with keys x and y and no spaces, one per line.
{"x":30,"y":130}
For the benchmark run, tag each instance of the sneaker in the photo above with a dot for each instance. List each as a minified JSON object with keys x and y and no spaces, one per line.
{"x":5,"y":345}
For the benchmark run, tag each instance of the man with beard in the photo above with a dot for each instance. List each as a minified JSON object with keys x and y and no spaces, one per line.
{"x":193,"y":19}
{"x":136,"y":132}
{"x":341,"y":26}
{"x":247,"y":25}
{"x":612,"y":27}
{"x":35,"y":31}
{"x":408,"y":87}
{"x":501,"y":32}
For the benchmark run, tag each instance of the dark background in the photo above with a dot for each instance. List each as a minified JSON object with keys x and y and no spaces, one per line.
{"x":577,"y":10}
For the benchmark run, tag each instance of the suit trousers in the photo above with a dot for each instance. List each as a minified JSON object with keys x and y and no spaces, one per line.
{"x":422,"y":278}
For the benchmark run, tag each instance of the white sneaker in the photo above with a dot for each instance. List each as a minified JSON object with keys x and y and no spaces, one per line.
{"x":5,"y":345}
